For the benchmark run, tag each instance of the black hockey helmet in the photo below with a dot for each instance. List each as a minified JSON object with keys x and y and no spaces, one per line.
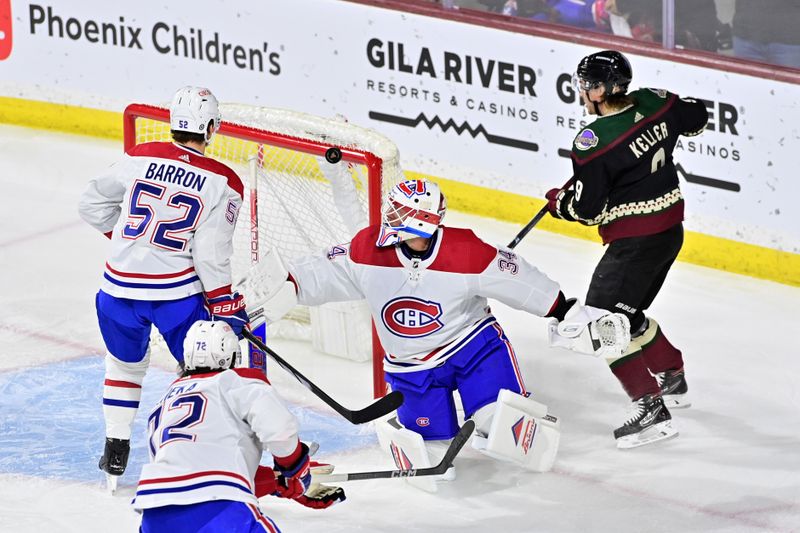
{"x":608,"y":68}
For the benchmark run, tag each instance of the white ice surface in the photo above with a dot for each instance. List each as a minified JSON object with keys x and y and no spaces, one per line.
{"x":734,"y":467}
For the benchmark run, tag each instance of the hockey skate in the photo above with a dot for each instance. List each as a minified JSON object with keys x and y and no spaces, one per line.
{"x":648,"y":421}
{"x":674,"y":390}
{"x":114,"y":461}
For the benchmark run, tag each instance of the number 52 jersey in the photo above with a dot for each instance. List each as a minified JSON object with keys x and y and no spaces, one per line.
{"x":170,"y":213}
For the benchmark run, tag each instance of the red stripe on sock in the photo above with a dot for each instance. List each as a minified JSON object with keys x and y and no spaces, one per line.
{"x":123,"y":384}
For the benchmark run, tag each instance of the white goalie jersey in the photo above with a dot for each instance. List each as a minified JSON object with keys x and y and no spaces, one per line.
{"x":170,"y":213}
{"x":207,"y":435}
{"x":424,"y":308}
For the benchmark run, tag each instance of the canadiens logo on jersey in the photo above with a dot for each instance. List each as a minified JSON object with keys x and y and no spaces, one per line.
{"x":411,"y":317}
{"x":411,"y":188}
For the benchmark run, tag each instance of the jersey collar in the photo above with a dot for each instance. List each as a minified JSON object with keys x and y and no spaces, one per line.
{"x":423,"y":261}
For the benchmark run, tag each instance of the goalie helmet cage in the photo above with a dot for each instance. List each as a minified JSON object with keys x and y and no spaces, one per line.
{"x":294,"y":200}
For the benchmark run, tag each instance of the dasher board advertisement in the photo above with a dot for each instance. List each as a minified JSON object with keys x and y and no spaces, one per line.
{"x":477,"y":105}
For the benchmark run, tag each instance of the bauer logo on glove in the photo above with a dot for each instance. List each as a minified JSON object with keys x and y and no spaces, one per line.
{"x":591,"y":331}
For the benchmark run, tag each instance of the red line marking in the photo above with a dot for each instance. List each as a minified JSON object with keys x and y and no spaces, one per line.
{"x":681,"y":504}
{"x":42,"y":233}
{"x":84,"y":349}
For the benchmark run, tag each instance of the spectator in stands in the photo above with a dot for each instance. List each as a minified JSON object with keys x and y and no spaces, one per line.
{"x":767,"y":31}
{"x":696,"y":23}
{"x":587,"y":14}
{"x":493,"y":6}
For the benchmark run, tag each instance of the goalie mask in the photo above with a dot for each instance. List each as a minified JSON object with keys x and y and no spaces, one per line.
{"x":211,"y":345}
{"x":411,"y":209}
{"x":192,"y":109}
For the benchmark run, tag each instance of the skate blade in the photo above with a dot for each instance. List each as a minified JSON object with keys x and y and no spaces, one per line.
{"x":677,"y":401}
{"x":111,"y":483}
{"x":662,"y":431}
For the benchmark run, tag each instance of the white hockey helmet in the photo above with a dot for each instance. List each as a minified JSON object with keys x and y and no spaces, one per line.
{"x":412,"y":208}
{"x":211,"y":345}
{"x":192,"y":109}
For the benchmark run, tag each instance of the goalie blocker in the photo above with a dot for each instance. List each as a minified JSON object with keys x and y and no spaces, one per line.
{"x":270,"y":294}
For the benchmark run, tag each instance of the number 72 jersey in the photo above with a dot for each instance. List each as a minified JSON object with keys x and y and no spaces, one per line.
{"x":170,"y":213}
{"x":207,"y":435}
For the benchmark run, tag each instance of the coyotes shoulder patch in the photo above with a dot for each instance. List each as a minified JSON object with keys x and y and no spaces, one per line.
{"x":586,"y":139}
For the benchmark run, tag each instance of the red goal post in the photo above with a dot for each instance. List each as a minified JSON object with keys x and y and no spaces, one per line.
{"x":295,"y":200}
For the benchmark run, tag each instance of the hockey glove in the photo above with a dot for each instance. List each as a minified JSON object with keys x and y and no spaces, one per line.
{"x":229,"y":307}
{"x":322,"y":496}
{"x":294,"y":473}
{"x":592,"y":331}
{"x":316,"y":497}
{"x":552,"y":201}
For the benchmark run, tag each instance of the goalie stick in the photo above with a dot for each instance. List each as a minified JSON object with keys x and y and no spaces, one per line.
{"x":459,"y":441}
{"x":535,"y":220}
{"x":377,"y":409}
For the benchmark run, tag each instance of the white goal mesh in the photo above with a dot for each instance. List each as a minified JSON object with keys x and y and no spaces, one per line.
{"x":295,"y":200}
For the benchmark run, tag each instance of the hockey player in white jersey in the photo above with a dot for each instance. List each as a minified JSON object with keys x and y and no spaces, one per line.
{"x":170,"y":212}
{"x":427,"y":287}
{"x":207,"y":436}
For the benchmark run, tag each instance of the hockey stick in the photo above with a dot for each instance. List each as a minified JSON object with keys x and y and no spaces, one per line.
{"x":459,"y":441}
{"x":528,"y":227}
{"x":535,"y":220}
{"x":377,"y":409}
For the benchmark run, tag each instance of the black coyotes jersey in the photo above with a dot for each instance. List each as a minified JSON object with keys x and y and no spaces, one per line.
{"x":624,"y":176}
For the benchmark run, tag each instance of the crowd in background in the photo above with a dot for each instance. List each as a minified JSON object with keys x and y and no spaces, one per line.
{"x":757,"y":30}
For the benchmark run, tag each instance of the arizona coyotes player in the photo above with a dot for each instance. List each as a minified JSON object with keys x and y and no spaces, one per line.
{"x":427,"y":287}
{"x":170,"y":213}
{"x":207,"y":436}
{"x":625,"y":182}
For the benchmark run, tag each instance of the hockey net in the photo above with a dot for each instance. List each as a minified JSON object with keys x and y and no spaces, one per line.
{"x":298,"y":202}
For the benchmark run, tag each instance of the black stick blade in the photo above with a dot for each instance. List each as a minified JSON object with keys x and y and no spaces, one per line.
{"x":377,"y":409}
{"x":382,"y":406}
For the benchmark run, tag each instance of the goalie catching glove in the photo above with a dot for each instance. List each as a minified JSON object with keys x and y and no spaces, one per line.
{"x":591,"y":331}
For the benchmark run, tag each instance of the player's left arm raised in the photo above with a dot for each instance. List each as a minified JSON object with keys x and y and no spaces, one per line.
{"x":692,"y":116}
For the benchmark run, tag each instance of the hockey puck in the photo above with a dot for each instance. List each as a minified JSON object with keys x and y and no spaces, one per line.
{"x":333,"y":155}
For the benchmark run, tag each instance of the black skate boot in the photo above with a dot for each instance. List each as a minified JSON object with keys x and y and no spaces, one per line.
{"x":674,"y":389}
{"x":648,"y":421}
{"x":114,"y":461}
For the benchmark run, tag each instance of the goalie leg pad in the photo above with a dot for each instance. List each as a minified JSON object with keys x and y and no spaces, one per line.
{"x":521,"y":432}
{"x":408,"y":451}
